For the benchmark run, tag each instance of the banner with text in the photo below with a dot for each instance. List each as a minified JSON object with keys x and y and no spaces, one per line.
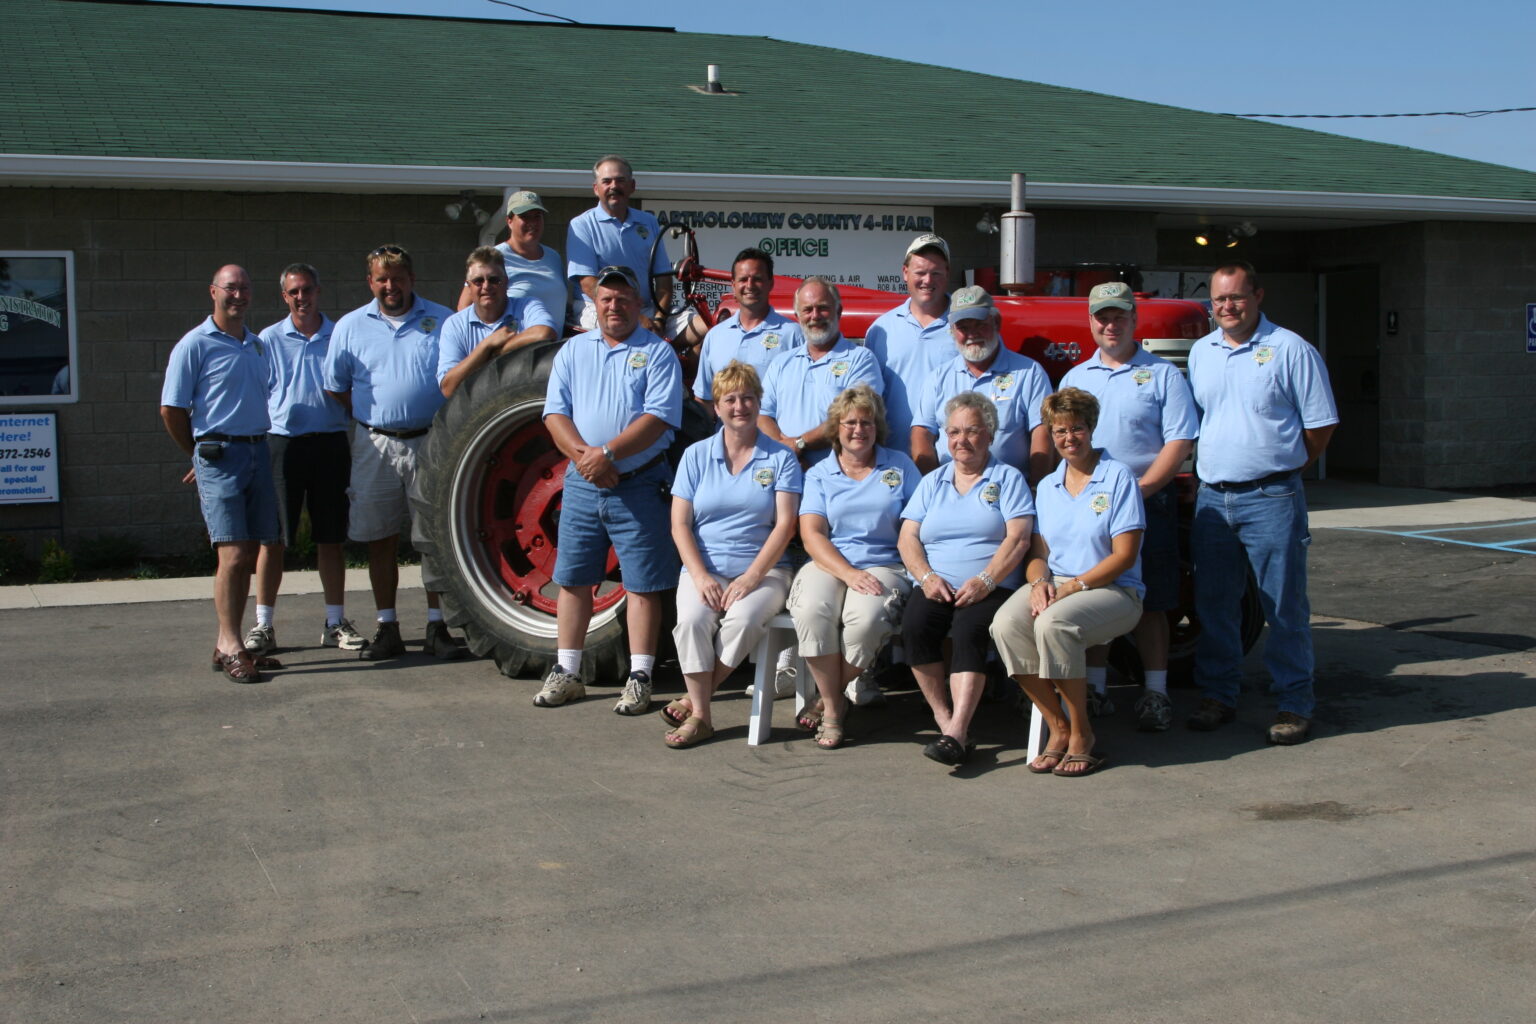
{"x":857,"y":245}
{"x":29,"y":458}
{"x":37,"y":328}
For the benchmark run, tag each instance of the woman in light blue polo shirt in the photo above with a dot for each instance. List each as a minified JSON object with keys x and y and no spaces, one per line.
{"x":733,"y":514}
{"x":965,"y":533}
{"x":1083,"y":579}
{"x":847,"y":600}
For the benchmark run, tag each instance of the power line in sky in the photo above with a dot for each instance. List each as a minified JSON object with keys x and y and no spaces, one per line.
{"x":1437,"y":113}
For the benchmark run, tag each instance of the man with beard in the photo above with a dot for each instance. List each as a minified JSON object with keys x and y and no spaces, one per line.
{"x":214,"y":406}
{"x":381,"y":367}
{"x":1147,"y":420}
{"x":756,"y":334}
{"x":801,"y":385}
{"x":1015,"y":383}
{"x":912,"y":340}
{"x":615,"y":398}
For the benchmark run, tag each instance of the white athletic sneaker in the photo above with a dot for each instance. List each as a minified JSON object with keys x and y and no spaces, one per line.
{"x":559,"y":688}
{"x":637,"y":695}
{"x":343,"y":635}
{"x":261,"y":640}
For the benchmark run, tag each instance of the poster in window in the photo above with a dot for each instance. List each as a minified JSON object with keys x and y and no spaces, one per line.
{"x":37,"y":328}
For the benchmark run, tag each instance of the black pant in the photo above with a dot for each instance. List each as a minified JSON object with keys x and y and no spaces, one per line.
{"x":925,"y":624}
{"x":315,"y":468}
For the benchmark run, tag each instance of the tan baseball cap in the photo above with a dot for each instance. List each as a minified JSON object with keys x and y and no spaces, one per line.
{"x":1112,"y":294}
{"x":971,"y":303}
{"x":929,"y":241}
{"x":522,"y":202}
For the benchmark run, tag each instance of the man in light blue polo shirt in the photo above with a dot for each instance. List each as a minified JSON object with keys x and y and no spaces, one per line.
{"x":615,"y":398}
{"x":1015,"y":383}
{"x":532,"y":268}
{"x":493,"y":326}
{"x":311,"y":461}
{"x":912,"y":340}
{"x":1267,"y":411}
{"x":1147,"y":420}
{"x":382,"y":366}
{"x":214,"y":406}
{"x":614,"y":233}
{"x":801,"y":385}
{"x":755,"y":334}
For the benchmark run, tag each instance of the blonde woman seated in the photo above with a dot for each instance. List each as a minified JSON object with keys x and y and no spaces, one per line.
{"x":965,"y":532}
{"x":733,"y":514}
{"x":847,"y":600}
{"x":1083,"y":578}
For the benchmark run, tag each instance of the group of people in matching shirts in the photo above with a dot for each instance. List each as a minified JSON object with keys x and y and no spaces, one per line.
{"x":809,"y":497}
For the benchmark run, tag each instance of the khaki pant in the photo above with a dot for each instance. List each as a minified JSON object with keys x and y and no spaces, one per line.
{"x":1052,"y":646}
{"x":831,"y":619}
{"x":704,"y":635}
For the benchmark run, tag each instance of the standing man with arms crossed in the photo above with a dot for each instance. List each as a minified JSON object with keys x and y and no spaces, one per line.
{"x":912,"y":340}
{"x":980,"y":361}
{"x":1147,"y":420}
{"x":1267,"y":411}
{"x":494,"y":325}
{"x":214,"y":406}
{"x":615,"y":398}
{"x":756,"y":334}
{"x":311,"y":462}
{"x":532,"y":268}
{"x":382,"y":366}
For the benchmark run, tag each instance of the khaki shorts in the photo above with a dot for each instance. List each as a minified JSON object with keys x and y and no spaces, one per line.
{"x":383,"y":473}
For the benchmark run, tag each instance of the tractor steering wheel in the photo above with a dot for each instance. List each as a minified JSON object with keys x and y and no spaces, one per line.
{"x":686,"y":271}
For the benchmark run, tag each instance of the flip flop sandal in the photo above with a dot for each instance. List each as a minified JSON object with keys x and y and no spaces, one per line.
{"x":690,"y":734}
{"x":1091,"y":763}
{"x":1059,"y":755}
{"x":677,"y":711}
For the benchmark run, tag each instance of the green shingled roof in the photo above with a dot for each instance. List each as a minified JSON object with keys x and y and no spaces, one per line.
{"x":119,"y":79}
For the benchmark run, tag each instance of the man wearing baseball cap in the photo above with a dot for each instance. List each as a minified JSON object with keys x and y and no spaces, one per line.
{"x":532,"y":268}
{"x":912,"y":340}
{"x":1147,"y":420}
{"x":615,"y":399}
{"x":1015,"y":383}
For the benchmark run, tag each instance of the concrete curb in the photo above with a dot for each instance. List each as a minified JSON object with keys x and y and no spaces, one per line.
{"x":188,"y":588}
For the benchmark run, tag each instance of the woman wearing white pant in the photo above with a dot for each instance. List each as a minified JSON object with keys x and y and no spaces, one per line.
{"x":733,"y":514}
{"x":1083,"y":575}
{"x":847,"y":600}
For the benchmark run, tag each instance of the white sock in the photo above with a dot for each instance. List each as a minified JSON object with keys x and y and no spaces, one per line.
{"x":387,"y":615}
{"x":786,"y":656}
{"x":1157,"y":681}
{"x":334,"y":613}
{"x":569,"y":661}
{"x":642,"y":663}
{"x":263,"y":615}
{"x":434,"y":615}
{"x":1098,"y":678}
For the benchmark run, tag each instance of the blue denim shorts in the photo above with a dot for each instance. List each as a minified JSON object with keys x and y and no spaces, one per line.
{"x":1160,"y":551}
{"x":236,"y":491}
{"x":635,"y":517}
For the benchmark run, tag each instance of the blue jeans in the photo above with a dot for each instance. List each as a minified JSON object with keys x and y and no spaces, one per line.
{"x":634,"y":516}
{"x":1264,"y":526}
{"x":236,"y":492}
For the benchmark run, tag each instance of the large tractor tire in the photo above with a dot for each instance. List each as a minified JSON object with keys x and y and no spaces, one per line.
{"x":488,"y":521}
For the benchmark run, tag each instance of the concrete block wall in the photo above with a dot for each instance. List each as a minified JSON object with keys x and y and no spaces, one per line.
{"x":143,"y":260}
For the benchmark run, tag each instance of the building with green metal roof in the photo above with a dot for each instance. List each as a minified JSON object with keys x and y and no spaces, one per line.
{"x":155,"y":141}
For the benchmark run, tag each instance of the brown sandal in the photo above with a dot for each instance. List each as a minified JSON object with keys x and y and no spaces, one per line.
{"x":238,"y":668}
{"x":677,"y":711}
{"x":1059,"y":755}
{"x":829,"y":734}
{"x":810,"y":716}
{"x":690,"y":734}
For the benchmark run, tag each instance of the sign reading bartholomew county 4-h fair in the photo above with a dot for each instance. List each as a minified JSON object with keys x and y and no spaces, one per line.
{"x":854,"y":245}
{"x":37,"y":328}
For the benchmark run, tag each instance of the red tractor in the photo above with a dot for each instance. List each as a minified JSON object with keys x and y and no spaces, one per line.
{"x":490,"y":483}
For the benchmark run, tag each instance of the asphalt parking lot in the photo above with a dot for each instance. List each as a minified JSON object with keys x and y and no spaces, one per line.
{"x":416,"y":842}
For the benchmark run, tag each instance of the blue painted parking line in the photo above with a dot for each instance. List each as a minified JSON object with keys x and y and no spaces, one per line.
{"x":1518,"y":547}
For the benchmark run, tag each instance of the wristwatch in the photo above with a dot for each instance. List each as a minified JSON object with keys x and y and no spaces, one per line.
{"x":800,"y":445}
{"x":608,"y":454}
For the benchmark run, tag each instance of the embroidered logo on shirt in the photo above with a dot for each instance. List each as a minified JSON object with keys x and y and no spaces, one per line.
{"x":1142,"y":376}
{"x":770,"y":341}
{"x":763,"y":477}
{"x":1099,"y":503}
{"x":1003,"y":382}
{"x":990,"y":493}
{"x":840,"y":367}
{"x":638,"y":359}
{"x":1263,"y":354}
{"x":891,"y":478}
{"x":644,"y":233}
{"x":428,"y":324}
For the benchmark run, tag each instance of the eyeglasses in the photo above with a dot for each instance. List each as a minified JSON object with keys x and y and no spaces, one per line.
{"x":233,"y":289}
{"x":476,"y":282}
{"x":856,"y":424}
{"x":387,"y":250}
{"x":1076,"y":430}
{"x":1232,"y":300}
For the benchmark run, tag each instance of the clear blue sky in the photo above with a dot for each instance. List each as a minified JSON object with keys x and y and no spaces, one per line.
{"x":1302,"y":57}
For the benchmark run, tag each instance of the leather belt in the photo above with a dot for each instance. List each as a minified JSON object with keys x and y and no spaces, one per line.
{"x":655,"y":460}
{"x":227,"y":438}
{"x":1248,"y":485}
{"x":399,"y":435}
